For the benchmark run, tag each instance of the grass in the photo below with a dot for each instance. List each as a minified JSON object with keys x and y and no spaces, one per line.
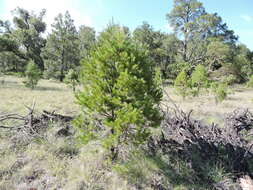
{"x":60,"y":163}
{"x":48,"y":95}
{"x":56,"y":96}
{"x":205,"y":108}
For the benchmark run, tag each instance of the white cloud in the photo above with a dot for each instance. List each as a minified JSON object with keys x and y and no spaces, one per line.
{"x":246,"y":18}
{"x":53,"y":8}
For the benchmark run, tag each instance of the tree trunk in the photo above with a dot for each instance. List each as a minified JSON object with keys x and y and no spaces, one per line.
{"x":62,"y":66}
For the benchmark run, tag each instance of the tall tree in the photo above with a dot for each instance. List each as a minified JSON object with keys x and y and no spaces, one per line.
{"x":28,"y":32}
{"x":161,"y":46}
{"x":194,"y":26}
{"x":62,"y":51}
{"x":25,"y":38}
{"x":87,"y":39}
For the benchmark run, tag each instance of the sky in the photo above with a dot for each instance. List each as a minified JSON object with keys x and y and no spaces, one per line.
{"x":238,"y":14}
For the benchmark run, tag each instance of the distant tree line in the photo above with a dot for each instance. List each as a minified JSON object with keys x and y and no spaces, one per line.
{"x":198,"y":38}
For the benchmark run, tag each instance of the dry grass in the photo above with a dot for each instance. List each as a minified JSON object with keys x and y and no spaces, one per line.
{"x":48,"y":95}
{"x":53,"y":95}
{"x":205,"y":108}
{"x":59,"y":163}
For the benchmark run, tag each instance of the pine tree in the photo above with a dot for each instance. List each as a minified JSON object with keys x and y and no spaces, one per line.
{"x":61,"y":52}
{"x":121,"y":90}
{"x":181,"y":84}
{"x":199,"y":79}
{"x":33,"y":75}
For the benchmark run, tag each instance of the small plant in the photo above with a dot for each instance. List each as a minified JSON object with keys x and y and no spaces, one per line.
{"x":181,"y":84}
{"x":2,"y":81}
{"x":250,"y":82}
{"x":199,"y":79}
{"x":230,"y":79}
{"x":72,"y":79}
{"x":220,"y":91}
{"x":33,"y":75}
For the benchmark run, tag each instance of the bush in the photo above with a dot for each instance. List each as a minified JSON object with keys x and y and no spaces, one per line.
{"x":230,"y":79}
{"x":72,"y":79}
{"x":181,"y":84}
{"x":121,"y":91}
{"x":33,"y":75}
{"x":199,"y":79}
{"x":220,"y":91}
{"x":250,"y":82}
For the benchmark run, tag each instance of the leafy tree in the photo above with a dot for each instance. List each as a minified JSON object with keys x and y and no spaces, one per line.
{"x":33,"y":75}
{"x":87,"y":39}
{"x":183,"y":19}
{"x":161,"y":47}
{"x":9,"y":62}
{"x":217,"y":54}
{"x":121,"y":89}
{"x":62,"y":50}
{"x":250,"y":82}
{"x":243,"y":68}
{"x":24,"y":40}
{"x":28,"y":32}
{"x":195,"y":26}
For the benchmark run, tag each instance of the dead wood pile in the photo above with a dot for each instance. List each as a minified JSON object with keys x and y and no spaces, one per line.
{"x":205,"y":147}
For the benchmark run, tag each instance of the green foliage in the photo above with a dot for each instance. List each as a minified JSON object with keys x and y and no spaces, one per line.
{"x":28,"y":32}
{"x":161,"y":47}
{"x":217,"y":53}
{"x":121,"y":89}
{"x":181,"y":84}
{"x":230,"y":79}
{"x":199,"y":79}
{"x":72,"y":79}
{"x":62,"y":48}
{"x":33,"y":75}
{"x":204,"y":36}
{"x":220,"y":91}
{"x":24,"y":41}
{"x":250,"y":82}
{"x":87,"y":39}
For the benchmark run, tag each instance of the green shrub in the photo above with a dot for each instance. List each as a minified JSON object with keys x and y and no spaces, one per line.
{"x":230,"y":79}
{"x":199,"y":79}
{"x":181,"y":84}
{"x":2,"y":81}
{"x":250,"y":82}
{"x":72,"y":79}
{"x":32,"y":74}
{"x":121,"y":90}
{"x":220,"y":91}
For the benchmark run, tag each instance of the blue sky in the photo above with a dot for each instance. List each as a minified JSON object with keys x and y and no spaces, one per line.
{"x":238,"y":14}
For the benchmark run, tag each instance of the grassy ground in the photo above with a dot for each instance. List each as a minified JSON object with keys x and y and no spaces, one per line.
{"x":48,"y":95}
{"x":55,"y":96}
{"x":54,"y":162}
{"x":205,"y":108}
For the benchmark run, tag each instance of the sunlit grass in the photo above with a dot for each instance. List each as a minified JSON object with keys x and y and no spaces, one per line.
{"x":48,"y":95}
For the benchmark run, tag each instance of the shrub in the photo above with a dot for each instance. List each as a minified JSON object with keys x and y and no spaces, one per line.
{"x":250,"y":82}
{"x":230,"y":79}
{"x":199,"y":79}
{"x":33,"y":75}
{"x":121,"y":90}
{"x":181,"y":84}
{"x":220,"y":91}
{"x":72,"y":79}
